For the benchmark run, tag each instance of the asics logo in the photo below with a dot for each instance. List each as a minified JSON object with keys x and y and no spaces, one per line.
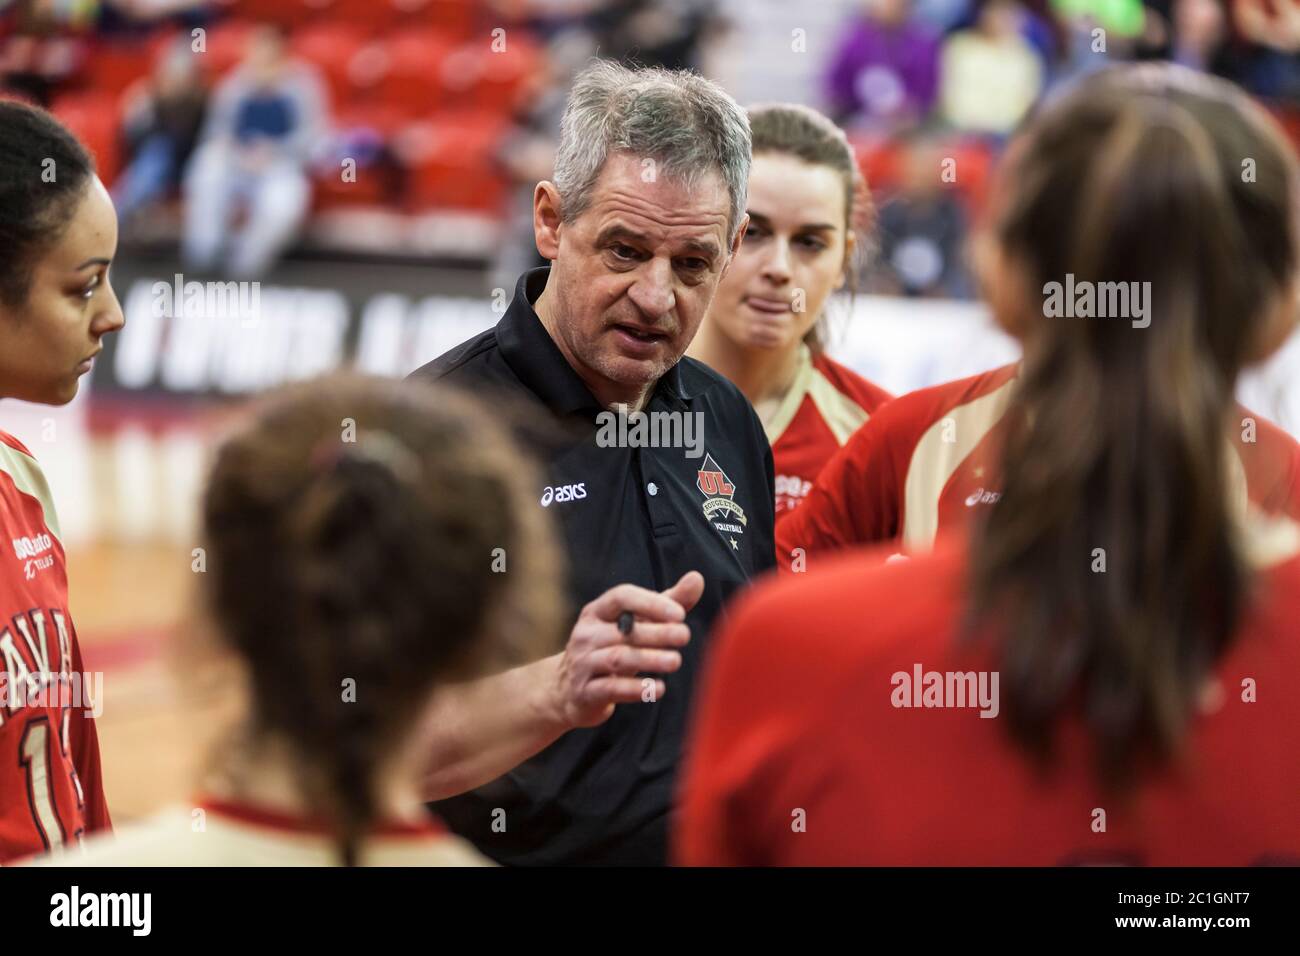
{"x":561,"y":493}
{"x":981,"y":497}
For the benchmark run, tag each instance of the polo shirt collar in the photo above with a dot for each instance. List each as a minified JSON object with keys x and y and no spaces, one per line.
{"x":540,"y":365}
{"x":533,"y":355}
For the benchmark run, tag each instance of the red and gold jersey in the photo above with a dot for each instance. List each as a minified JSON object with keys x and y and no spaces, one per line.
{"x":874,"y":740}
{"x":231,"y":833}
{"x":51,"y":790}
{"x":929,"y":460}
{"x":826,"y":403}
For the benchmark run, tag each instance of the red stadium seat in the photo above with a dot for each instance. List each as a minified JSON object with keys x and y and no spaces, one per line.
{"x":454,"y":17}
{"x":483,"y":77}
{"x":331,"y":192}
{"x":372,"y":16}
{"x":94,"y":118}
{"x":1289,"y":117}
{"x":975,"y":162}
{"x":452,"y":163}
{"x":332,"y":47}
{"x":112,"y":67}
{"x":412,"y":77}
{"x":880,"y":163}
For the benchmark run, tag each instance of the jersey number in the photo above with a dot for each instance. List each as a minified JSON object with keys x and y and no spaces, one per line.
{"x":40,"y":789}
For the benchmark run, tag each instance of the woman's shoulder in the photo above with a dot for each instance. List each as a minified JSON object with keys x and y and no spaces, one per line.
{"x":864,"y":393}
{"x":202,"y":835}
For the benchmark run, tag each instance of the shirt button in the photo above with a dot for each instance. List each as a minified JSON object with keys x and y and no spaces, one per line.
{"x":652,"y":488}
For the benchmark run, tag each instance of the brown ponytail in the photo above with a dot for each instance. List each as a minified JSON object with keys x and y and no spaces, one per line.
{"x":1111,"y":564}
{"x":353,"y":572}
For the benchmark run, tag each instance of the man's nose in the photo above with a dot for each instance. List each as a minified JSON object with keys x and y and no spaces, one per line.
{"x":652,"y":292}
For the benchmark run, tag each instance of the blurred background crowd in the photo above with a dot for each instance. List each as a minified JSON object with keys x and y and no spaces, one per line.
{"x":367,"y":167}
{"x":239,"y":131}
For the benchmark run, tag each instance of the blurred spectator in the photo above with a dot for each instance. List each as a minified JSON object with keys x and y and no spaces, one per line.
{"x":264,"y":121}
{"x":991,"y":75}
{"x":1200,"y":29}
{"x":1037,"y":22}
{"x":1271,"y":67}
{"x":126,"y":18}
{"x":943,"y":15}
{"x":886,"y":70}
{"x":921,"y":231}
{"x":1191,"y":32}
{"x":663,"y":33}
{"x":160,"y":128}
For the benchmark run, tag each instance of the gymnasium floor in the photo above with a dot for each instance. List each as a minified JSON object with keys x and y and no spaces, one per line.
{"x":152,"y":730}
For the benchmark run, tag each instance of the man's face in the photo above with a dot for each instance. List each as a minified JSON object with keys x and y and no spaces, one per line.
{"x":635,"y":273}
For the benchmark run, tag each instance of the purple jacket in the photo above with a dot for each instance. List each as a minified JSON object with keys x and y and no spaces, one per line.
{"x":905,"y":75}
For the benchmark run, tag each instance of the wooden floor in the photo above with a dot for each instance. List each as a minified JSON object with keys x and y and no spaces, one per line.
{"x":130,"y":603}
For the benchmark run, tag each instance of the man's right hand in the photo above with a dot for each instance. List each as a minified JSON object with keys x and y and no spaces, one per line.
{"x":600,"y":664}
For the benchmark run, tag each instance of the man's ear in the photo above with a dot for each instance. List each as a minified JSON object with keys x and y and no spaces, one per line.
{"x":735,"y":243}
{"x":546,"y":219}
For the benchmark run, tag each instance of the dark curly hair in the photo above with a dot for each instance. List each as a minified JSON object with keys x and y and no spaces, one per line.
{"x":44,"y":171}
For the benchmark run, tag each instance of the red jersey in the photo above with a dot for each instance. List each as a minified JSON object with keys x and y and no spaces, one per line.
{"x":820,"y":739}
{"x":929,"y":460}
{"x":51,"y":790}
{"x":826,"y":403}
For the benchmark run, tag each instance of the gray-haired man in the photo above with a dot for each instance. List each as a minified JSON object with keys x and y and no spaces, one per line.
{"x":641,"y":221}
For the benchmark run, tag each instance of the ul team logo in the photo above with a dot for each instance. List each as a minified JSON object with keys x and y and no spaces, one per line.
{"x":720,"y":507}
{"x":712,"y":480}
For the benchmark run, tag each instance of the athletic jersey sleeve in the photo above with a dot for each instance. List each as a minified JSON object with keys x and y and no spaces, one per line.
{"x":51,"y":785}
{"x":855,"y":498}
{"x":1270,"y":460}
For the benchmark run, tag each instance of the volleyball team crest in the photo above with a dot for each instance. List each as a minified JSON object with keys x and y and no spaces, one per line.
{"x":720,"y":506}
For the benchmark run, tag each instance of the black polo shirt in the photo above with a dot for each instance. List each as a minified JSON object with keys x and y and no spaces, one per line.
{"x":640,"y":515}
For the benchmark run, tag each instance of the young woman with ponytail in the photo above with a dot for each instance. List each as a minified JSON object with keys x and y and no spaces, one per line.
{"x":929,"y":461}
{"x":58,"y":238}
{"x":809,"y":213}
{"x":1081,"y":678}
{"x":367,"y":542}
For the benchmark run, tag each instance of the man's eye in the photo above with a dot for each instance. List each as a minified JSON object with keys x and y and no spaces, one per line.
{"x":753,"y":233}
{"x":623,"y":252}
{"x":812,"y":242}
{"x":694,"y":265}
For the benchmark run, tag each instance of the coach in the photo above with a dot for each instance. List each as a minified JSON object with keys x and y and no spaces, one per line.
{"x":574,"y":757}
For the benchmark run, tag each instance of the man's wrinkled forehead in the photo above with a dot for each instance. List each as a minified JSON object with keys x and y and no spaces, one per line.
{"x":690,"y":212}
